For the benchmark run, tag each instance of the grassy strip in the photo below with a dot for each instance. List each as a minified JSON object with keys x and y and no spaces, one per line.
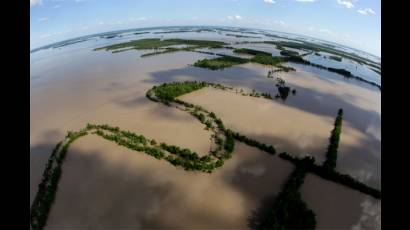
{"x":336,"y":177}
{"x":220,"y":63}
{"x":226,"y":61}
{"x":251,"y":51}
{"x":331,"y":154}
{"x":267,"y":59}
{"x":167,"y":50}
{"x":289,"y":210}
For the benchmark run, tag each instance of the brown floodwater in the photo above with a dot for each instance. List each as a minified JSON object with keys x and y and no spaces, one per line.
{"x":107,"y":186}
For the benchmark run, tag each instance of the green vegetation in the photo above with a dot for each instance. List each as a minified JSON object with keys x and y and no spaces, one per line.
{"x":331,"y":154}
{"x":169,"y":91}
{"x":325,"y":48}
{"x":156,"y":43}
{"x":289,"y":210}
{"x":267,"y":59}
{"x":283,"y":89}
{"x":242,"y":138}
{"x":251,"y":51}
{"x":289,"y":53}
{"x":335,"y":176}
{"x":343,"y":72}
{"x":220,"y":63}
{"x":226,"y":61}
{"x":48,"y":186}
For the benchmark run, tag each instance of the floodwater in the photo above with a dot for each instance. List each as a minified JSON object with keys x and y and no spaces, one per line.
{"x":107,"y":186}
{"x":338,"y":207}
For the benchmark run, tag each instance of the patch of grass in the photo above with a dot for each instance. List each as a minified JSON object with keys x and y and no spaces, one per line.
{"x":220,"y":63}
{"x":267,"y":59}
{"x":289,"y":53}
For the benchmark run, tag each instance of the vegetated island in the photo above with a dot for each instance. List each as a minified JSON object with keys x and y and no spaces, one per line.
{"x":324,"y":48}
{"x":224,"y":61}
{"x":160,"y":46}
{"x":289,"y":211}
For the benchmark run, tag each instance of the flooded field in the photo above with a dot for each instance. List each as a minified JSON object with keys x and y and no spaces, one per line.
{"x":73,"y":85}
{"x":146,"y":193}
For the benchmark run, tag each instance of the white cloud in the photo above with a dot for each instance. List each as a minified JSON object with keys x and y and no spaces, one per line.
{"x":35,"y":2}
{"x":236,"y":17}
{"x":269,"y":1}
{"x":366,"y":11}
{"x":346,"y":3}
{"x":42,"y":19}
{"x":56,"y":6}
{"x":101,"y":23}
{"x":305,"y":0}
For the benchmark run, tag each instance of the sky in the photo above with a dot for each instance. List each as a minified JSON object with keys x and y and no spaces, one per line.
{"x":355,"y":23}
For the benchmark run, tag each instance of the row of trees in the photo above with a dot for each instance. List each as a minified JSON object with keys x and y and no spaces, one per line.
{"x":322,"y":171}
{"x":333,"y":175}
{"x":262,"y":146}
{"x":177,"y":156}
{"x":47,"y":188}
{"x":289,"y":211}
{"x":331,"y":154}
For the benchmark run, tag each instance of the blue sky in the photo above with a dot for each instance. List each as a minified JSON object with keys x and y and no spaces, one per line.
{"x":355,"y":23}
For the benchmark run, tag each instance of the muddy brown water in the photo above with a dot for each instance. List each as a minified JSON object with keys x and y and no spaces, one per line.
{"x":106,"y":186}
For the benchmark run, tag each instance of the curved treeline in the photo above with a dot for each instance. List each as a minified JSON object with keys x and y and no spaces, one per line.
{"x":224,"y":140}
{"x":331,"y":154}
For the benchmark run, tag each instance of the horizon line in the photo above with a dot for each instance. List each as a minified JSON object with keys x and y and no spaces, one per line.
{"x":153,"y":27}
